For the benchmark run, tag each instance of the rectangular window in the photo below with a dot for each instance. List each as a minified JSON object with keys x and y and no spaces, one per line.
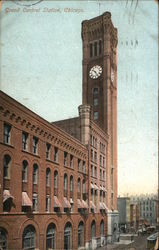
{"x":95,"y":172}
{"x":55,"y":154}
{"x":100,"y":174}
{"x":65,"y":158}
{"x":103,"y":175}
{"x":91,"y":140}
{"x":95,"y":157}
{"x":103,"y":162}
{"x":84,"y":167}
{"x":91,"y":154}
{"x":24,"y":140}
{"x":48,"y":147}
{"x":35,"y":175}
{"x":100,"y":160}
{"x":95,"y":101}
{"x":91,"y":194}
{"x":48,"y":203}
{"x":7,"y":134}
{"x":95,"y":115}
{"x":35,"y":202}
{"x":100,"y":196}
{"x":71,"y":161}
{"x":95,"y":143}
{"x":92,"y":170}
{"x":95,"y":196}
{"x":35,"y":145}
{"x":79,"y":165}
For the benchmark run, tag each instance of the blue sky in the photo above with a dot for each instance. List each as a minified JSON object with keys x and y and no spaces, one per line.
{"x":41,"y":67}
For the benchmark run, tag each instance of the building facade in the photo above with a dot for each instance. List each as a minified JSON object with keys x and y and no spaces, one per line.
{"x":124,"y":213}
{"x":148,"y":210}
{"x":59,"y":180}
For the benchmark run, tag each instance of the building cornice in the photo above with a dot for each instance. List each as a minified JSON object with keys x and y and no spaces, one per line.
{"x":38,"y":126}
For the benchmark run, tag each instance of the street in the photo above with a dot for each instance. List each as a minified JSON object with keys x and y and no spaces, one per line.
{"x":139,"y":243}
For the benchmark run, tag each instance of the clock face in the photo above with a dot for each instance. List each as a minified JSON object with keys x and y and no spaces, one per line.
{"x":95,"y":72}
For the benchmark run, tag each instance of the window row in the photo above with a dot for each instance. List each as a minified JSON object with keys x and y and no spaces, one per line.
{"x":81,"y":185}
{"x":29,"y":236}
{"x":6,"y":174}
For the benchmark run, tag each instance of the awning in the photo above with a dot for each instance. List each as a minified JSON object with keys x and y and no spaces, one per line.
{"x":7,"y":195}
{"x":85,"y":205}
{"x":26,"y":200}
{"x":105,"y":207}
{"x":56,"y":202}
{"x":66,"y":203}
{"x":95,"y":186}
{"x":92,"y":186}
{"x":92,"y":205}
{"x":101,"y":188}
{"x":104,"y":189}
{"x":79,"y":204}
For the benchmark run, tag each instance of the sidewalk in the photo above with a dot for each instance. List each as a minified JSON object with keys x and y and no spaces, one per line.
{"x":122,"y":244}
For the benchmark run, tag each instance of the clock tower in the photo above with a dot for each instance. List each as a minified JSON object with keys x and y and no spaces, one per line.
{"x":100,"y":70}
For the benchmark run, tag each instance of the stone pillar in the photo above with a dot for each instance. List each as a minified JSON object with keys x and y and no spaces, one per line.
{"x":85,"y":116}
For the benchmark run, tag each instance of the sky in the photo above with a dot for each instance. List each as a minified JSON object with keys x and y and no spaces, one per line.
{"x":41,"y":67}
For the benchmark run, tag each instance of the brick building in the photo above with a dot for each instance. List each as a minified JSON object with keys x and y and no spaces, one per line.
{"x":59,"y":180}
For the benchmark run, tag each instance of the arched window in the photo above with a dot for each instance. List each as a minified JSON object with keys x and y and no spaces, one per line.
{"x":102,"y":228}
{"x":6,"y":166}
{"x":3,"y":239}
{"x":65,"y":182}
{"x":84,"y":187}
{"x":50,"y":237}
{"x":95,"y":49}
{"x":95,"y":91}
{"x":93,"y":229}
{"x":68,"y":236}
{"x":71,"y":183}
{"x":48,"y":177}
{"x":24,"y":171}
{"x":55,"y":179}
{"x":79,"y":185}
{"x":29,"y":238}
{"x":81,"y":234}
{"x":35,"y":174}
